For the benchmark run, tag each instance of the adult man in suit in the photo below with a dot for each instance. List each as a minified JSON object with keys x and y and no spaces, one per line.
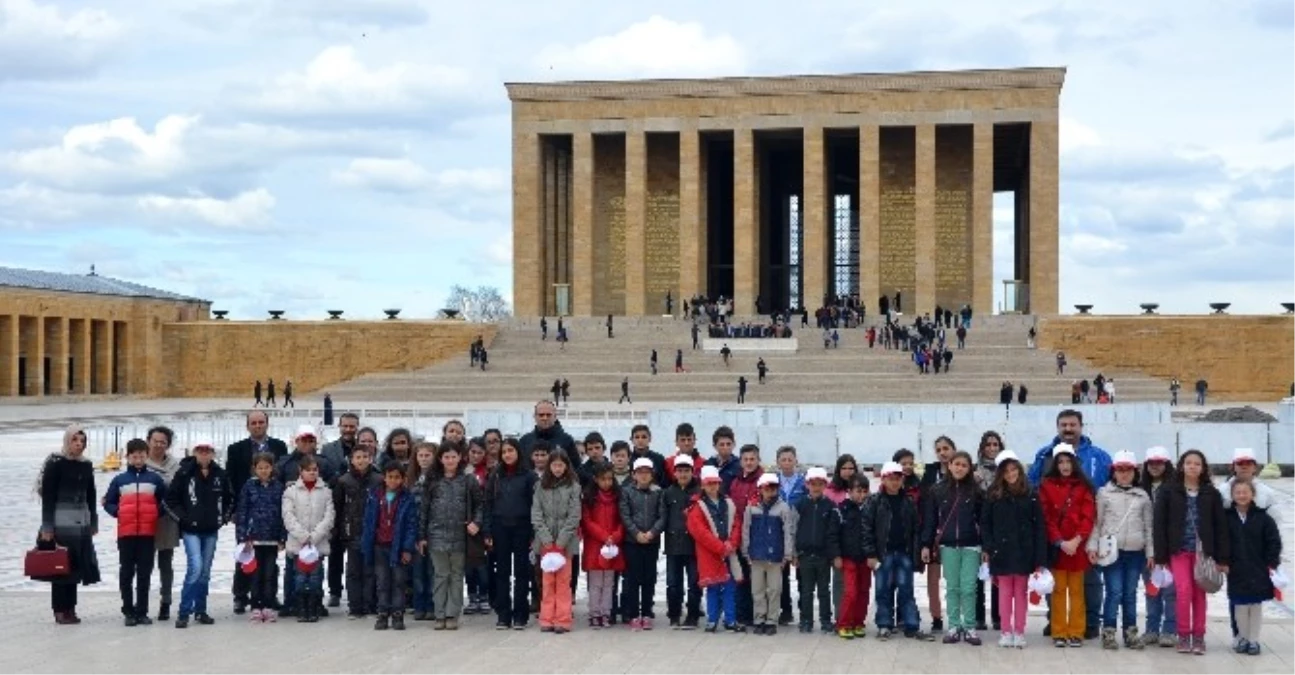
{"x":238,"y":465}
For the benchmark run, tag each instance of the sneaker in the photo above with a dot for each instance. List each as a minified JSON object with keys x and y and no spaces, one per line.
{"x":919,"y":635}
{"x":164,"y":612}
{"x":675,"y":624}
{"x":181,"y":621}
{"x":953,"y":637}
{"x":1059,"y":643}
{"x":711,"y":627}
{"x":422,"y":616}
{"x":806,"y":627}
{"x":560,"y":630}
{"x":546,"y":629}
{"x":1242,"y":645}
{"x":1019,"y":642}
{"x":240,"y":608}
{"x":1007,"y":640}
{"x":1132,"y":640}
{"x":1184,"y":644}
{"x":1253,"y":649}
{"x":1108,"y":639}
{"x":1198,"y":646}
{"x":691,"y":623}
{"x":130,"y":621}
{"x":1167,"y":641}
{"x":1150,"y":639}
{"x":883,"y":634}
{"x":519,"y":626}
{"x":971,"y":638}
{"x":504,"y":625}
{"x":646,"y":623}
{"x":439,"y":624}
{"x":937,"y":625}
{"x":826,"y":629}
{"x":352,"y":616}
{"x":784,"y":619}
{"x":845,"y":634}
{"x":256,"y":617}
{"x":451,"y":624}
{"x":398,"y":621}
{"x":334,"y":601}
{"x":382,"y":623}
{"x":1075,"y":643}
{"x":770,"y":629}
{"x":269,"y":616}
{"x":143,"y":620}
{"x":203,"y":618}
{"x":636,"y":624}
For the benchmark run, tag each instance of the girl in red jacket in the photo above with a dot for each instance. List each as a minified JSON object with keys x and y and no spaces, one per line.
{"x":715,"y":524}
{"x":1069,"y":511}
{"x":600,"y":526}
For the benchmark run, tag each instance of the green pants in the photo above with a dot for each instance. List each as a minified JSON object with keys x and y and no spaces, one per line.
{"x":960,"y":568}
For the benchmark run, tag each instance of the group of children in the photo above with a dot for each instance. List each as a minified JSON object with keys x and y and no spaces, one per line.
{"x":732,"y":532}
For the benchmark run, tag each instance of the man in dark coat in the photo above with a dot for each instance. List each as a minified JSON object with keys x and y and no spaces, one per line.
{"x":548,"y":428}
{"x":238,"y":466}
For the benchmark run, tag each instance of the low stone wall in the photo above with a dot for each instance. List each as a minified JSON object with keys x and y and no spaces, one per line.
{"x":225,"y":358}
{"x":1244,"y":358}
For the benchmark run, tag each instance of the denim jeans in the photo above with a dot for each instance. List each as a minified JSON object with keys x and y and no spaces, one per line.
{"x":312,"y":582}
{"x":1162,"y":610}
{"x":895,"y":578}
{"x":421,"y":571}
{"x":681,"y":581}
{"x":199,"y":550}
{"x":1121,"y":578}
{"x":722,"y":598}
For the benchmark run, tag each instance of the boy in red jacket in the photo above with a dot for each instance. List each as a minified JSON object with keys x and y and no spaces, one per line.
{"x":714,"y":522}
{"x":134,"y":498}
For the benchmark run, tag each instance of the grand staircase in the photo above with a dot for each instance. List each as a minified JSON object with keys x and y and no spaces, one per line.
{"x":523,"y":368}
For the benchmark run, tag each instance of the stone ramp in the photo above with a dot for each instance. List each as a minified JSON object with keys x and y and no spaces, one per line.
{"x":522,"y":367}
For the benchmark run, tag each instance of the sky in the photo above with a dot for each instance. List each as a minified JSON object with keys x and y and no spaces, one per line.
{"x":354,"y":154}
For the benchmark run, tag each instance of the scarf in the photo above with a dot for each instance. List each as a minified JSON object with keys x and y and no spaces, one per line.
{"x":64,"y":453}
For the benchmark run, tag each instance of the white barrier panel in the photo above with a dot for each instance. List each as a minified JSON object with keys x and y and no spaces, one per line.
{"x":1135,"y":438}
{"x":814,"y":445}
{"x":965,"y":438}
{"x":749,"y":345}
{"x":1281,"y":443}
{"x":876,"y":444}
{"x":1286,"y":411}
{"x":1218,"y":440}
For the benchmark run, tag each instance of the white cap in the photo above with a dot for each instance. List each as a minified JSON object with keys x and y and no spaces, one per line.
{"x":1157,"y":454}
{"x":1125,"y":458}
{"x":767,"y":479}
{"x":710,"y":474}
{"x":1063,"y":448}
{"x":816,"y":473}
{"x":204,"y":443}
{"x":683,"y":460}
{"x":1243,"y":455}
{"x":305,"y":430}
{"x":1004,"y":456}
{"x":644,"y":463}
{"x":891,"y":468}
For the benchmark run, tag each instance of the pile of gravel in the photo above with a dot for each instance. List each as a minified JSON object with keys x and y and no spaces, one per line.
{"x":1245,"y":414}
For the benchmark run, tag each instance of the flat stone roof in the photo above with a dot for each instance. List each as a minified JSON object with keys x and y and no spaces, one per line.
{"x":92,"y":284}
{"x":727,"y":87}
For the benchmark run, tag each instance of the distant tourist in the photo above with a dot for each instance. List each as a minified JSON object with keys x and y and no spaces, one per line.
{"x":1201,"y":388}
{"x":1061,"y":363}
{"x":287,"y":395}
{"x":556,"y":390}
{"x":269,"y":394}
{"x":678,"y":361}
{"x":565,"y":390}
{"x":1030,"y":336}
{"x":256,"y":392}
{"x":1022,"y":393}
{"x":761,"y":369}
{"x":726,"y":354}
{"x":544,"y":328}
{"x":652,"y":362}
{"x":625,"y":392}
{"x":69,"y":519}
{"x":1174,"y":387}
{"x":609,"y":326}
{"x":328,"y":409}
{"x":741,"y":389}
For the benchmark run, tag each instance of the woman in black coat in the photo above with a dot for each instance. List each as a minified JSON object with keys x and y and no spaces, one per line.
{"x":69,"y":519}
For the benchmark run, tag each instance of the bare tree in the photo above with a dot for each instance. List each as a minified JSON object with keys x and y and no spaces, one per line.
{"x":484,"y":304}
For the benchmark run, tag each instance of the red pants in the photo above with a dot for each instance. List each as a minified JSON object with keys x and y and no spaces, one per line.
{"x":855,"y":591}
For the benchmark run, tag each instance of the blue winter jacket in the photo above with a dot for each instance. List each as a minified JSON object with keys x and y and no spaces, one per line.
{"x":260,"y":512}
{"x":792,"y":488}
{"x":1095,"y":461}
{"x":404,"y":530}
{"x":769,"y":532}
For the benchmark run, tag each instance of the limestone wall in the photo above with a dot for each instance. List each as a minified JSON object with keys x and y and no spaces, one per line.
{"x":224,"y":358}
{"x":1244,"y":358}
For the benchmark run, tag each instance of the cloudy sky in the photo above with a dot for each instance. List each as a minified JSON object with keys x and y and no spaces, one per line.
{"x":354,"y":154}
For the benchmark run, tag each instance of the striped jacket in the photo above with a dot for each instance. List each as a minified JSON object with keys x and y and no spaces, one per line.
{"x":135,"y":499}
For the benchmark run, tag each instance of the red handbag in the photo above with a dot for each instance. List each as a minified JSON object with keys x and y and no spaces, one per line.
{"x":47,"y":563}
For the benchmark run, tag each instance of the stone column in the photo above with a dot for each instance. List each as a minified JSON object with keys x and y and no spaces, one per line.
{"x":870,"y":216}
{"x":58,"y":358}
{"x":635,"y":223}
{"x":982,"y":219}
{"x":9,"y":355}
{"x":814,"y":224}
{"x":1044,"y":247}
{"x":103,"y":358}
{"x":924,"y":228}
{"x":582,"y":224}
{"x":36,"y":358}
{"x":528,"y":218}
{"x":83,"y":358}
{"x":693,"y":231}
{"x":746,"y":223}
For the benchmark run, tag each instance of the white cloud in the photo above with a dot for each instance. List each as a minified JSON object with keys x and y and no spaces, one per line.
{"x":243,"y":210}
{"x":298,"y":15}
{"x":657,"y":47}
{"x":1075,"y":135}
{"x":41,"y":41}
{"x":336,"y":84}
{"x":405,"y":175}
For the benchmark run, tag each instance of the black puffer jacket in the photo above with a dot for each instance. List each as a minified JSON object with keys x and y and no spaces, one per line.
{"x":816,"y":519}
{"x":1013,"y":534}
{"x":350,"y":494}
{"x":846,"y":539}
{"x":509,"y":495}
{"x":675,"y":501}
{"x":1170,"y":523}
{"x":951,"y":514}
{"x":200,"y":504}
{"x":876,"y":526}
{"x":1256,"y":547}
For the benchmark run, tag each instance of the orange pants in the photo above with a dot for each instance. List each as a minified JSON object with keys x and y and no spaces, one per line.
{"x":1068,"y":610}
{"x":555,"y":602}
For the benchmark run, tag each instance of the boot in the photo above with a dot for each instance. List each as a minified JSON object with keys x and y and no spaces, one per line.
{"x":382,"y":624}
{"x":1131,"y":638}
{"x":299,"y":608}
{"x":317,"y":608}
{"x":1108,"y":639}
{"x":164,"y":610}
{"x":398,"y":621}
